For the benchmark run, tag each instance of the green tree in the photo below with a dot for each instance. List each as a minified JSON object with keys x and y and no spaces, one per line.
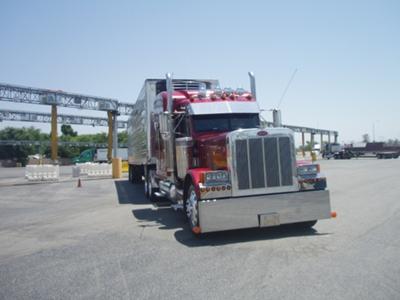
{"x":20,"y":153}
{"x":123,"y":137}
{"x":67,"y":130}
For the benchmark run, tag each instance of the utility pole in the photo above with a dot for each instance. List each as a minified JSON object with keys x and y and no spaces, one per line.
{"x":54,"y":143}
{"x":115,"y":134}
{"x":110,"y":135}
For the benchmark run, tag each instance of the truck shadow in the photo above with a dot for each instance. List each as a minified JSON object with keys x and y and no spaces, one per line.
{"x":165,"y":218}
{"x":168,"y":219}
{"x":129,"y":193}
{"x":243,"y":235}
{"x":161,"y":215}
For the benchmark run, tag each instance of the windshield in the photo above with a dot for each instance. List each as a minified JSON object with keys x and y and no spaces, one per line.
{"x":225,"y":122}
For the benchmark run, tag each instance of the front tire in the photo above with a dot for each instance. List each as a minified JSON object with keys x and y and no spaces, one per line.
{"x":149,"y":189}
{"x":191,"y":207}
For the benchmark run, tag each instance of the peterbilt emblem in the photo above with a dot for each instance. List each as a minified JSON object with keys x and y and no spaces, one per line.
{"x":262,"y":133}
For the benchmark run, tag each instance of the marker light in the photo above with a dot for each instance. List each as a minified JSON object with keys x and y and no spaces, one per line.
{"x":196,"y":229}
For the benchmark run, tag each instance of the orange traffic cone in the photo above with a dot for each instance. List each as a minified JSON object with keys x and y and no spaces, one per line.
{"x":79,"y":183}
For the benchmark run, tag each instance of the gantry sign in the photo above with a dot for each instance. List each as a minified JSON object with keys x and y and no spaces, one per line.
{"x":55,"y":98}
{"x":30,"y":116}
{"x":47,"y":143}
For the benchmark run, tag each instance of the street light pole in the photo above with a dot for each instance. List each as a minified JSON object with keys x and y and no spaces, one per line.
{"x":373,"y":130}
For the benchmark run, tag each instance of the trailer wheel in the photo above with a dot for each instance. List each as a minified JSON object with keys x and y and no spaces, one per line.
{"x":307,"y":224}
{"x":191,"y":208}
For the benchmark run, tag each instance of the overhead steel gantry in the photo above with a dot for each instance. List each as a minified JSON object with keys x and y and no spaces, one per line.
{"x":22,"y":94}
{"x":277,"y":122}
{"x":47,"y":143}
{"x":30,"y":116}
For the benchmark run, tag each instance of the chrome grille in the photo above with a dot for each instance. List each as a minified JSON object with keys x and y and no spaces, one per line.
{"x":257,"y":170}
{"x":271,"y":162}
{"x":264,"y":162}
{"x":242,"y":164}
{"x":285,"y":160}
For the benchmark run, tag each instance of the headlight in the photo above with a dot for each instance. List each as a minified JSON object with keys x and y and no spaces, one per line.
{"x":308,"y":170}
{"x":216,"y":177}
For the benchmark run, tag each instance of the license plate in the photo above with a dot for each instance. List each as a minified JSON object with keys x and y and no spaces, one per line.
{"x":268,"y":220}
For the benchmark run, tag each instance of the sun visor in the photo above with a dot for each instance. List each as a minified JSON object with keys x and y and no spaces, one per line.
{"x":223,"y":107}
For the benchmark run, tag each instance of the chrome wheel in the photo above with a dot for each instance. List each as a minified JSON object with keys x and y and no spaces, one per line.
{"x":191,"y":207}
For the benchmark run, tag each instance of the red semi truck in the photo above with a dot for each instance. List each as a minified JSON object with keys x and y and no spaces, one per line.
{"x":203,"y":148}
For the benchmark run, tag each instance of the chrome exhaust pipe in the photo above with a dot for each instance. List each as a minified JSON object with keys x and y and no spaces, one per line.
{"x":171,"y":142}
{"x":252,"y":84}
{"x":276,"y":118}
{"x":170,"y":90}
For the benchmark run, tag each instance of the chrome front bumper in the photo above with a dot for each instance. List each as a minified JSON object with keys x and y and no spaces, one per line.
{"x":265,"y":210}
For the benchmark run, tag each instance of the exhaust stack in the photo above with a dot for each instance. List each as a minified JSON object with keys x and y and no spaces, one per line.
{"x":276,"y":118}
{"x":170,"y":142}
{"x":170,"y":91}
{"x":252,"y":84}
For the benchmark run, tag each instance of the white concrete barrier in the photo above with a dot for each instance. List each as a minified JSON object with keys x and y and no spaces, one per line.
{"x":42,"y":172}
{"x":92,"y":170}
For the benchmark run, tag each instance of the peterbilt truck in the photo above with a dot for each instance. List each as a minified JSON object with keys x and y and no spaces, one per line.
{"x":202,"y":147}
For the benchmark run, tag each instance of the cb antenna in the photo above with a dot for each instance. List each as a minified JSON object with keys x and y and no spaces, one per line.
{"x":287,"y":87}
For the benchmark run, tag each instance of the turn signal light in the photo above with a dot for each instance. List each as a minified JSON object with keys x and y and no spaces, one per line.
{"x":333,"y":214}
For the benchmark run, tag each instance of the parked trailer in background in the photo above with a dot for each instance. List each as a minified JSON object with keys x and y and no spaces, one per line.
{"x":378,"y":150}
{"x":375,"y":149}
{"x":203,"y":148}
{"x":336,"y":151}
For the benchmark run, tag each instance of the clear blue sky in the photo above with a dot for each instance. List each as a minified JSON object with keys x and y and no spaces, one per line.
{"x":347,"y":54}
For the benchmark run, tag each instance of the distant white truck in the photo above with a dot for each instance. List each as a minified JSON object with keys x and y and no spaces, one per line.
{"x":317,"y":149}
{"x":99,"y":155}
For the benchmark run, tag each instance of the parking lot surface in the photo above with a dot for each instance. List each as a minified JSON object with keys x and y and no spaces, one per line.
{"x":104,"y":240}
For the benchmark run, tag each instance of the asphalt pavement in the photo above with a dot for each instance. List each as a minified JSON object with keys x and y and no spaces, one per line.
{"x":105,"y":241}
